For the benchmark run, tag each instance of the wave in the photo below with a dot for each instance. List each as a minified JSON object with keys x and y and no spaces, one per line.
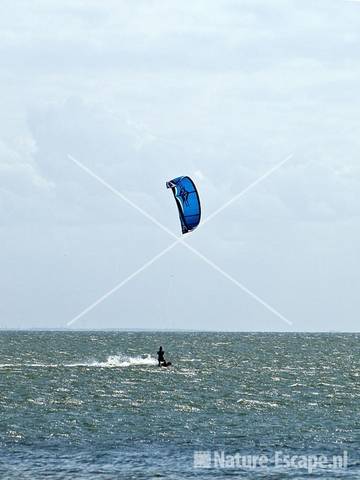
{"x":113,"y":361}
{"x":34,"y":365}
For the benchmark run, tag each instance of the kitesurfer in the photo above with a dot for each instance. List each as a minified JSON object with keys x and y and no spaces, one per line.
{"x":160,"y":355}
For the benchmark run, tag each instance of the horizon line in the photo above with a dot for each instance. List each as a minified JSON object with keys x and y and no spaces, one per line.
{"x":166,"y":330}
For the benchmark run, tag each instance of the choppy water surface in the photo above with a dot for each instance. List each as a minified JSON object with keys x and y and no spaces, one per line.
{"x":95,"y":405}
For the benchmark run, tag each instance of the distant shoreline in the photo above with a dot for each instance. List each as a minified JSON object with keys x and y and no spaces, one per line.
{"x":151,"y":330}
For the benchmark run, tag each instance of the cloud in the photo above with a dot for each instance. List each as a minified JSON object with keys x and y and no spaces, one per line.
{"x":146,"y":91}
{"x":21,"y":180}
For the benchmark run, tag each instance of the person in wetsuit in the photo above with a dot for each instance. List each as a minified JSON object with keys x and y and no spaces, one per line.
{"x":160,"y":355}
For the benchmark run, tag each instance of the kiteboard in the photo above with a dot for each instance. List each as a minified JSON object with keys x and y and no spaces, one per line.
{"x":165,"y":364}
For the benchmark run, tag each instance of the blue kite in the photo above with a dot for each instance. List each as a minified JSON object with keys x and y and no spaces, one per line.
{"x":187,"y":201}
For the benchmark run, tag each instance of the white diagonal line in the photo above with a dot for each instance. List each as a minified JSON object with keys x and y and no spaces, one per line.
{"x":249,"y":187}
{"x":122,"y":196}
{"x":178,"y":240}
{"x":121,"y":284}
{"x":237,"y":283}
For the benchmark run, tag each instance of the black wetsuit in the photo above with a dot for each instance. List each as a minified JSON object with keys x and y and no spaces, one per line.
{"x":161,"y":358}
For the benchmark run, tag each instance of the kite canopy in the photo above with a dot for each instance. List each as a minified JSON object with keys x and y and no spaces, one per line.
{"x":187,"y":201}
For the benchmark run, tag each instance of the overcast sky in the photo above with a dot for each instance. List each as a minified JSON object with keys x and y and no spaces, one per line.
{"x":144,"y":91}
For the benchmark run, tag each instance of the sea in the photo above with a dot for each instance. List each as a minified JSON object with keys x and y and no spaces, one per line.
{"x":95,"y":405}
